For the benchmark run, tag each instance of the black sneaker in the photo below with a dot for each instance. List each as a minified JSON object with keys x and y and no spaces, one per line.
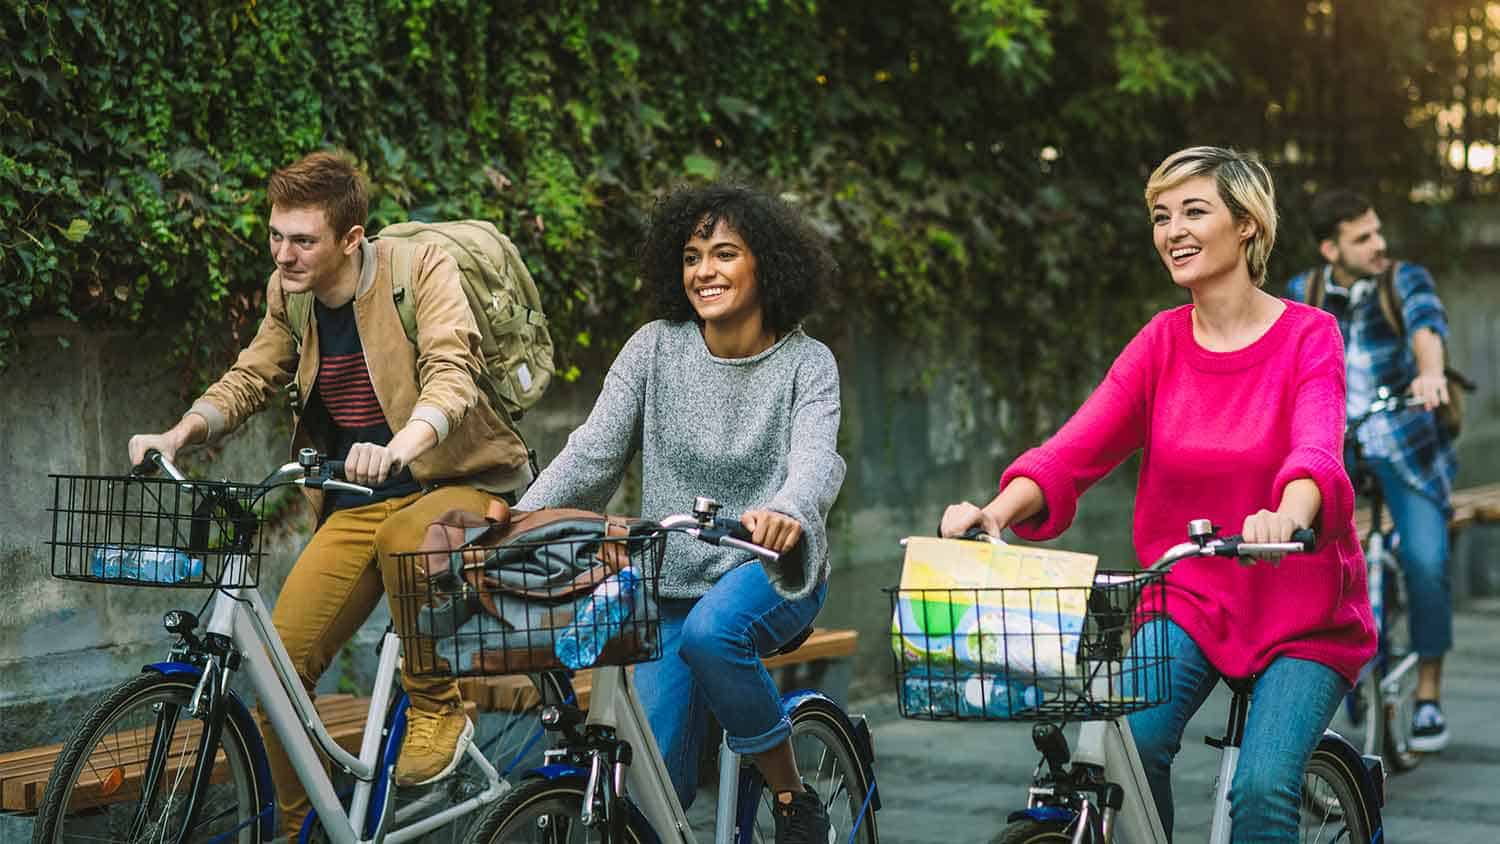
{"x":1429,"y":730}
{"x":803,"y":820}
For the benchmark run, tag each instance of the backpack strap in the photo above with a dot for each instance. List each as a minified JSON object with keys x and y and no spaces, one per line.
{"x":401,"y":281}
{"x":298,"y":315}
{"x":1313,"y":295}
{"x":1390,"y":302}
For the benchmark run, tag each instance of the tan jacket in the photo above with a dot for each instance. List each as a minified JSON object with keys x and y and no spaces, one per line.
{"x":433,"y":381}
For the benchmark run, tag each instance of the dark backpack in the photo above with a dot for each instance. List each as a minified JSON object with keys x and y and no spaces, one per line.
{"x":1451,"y":415}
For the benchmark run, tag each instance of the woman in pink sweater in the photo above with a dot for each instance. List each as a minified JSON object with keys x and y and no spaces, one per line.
{"x":1237,"y":403}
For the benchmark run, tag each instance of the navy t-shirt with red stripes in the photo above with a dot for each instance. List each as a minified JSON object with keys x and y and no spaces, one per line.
{"x":344,"y":395}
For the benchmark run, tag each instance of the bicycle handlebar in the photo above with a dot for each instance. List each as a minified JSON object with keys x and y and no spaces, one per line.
{"x":1303,"y":541}
{"x":310,"y":470}
{"x":706,"y":526}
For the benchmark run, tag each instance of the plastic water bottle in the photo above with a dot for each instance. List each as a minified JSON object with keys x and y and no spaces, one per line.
{"x":598,"y":620}
{"x":966,"y":695}
{"x":147,"y":565}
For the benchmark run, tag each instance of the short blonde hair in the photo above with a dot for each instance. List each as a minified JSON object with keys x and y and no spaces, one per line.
{"x":1244,"y":185}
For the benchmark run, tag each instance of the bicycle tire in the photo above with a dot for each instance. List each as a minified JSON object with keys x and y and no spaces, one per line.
{"x":1397,"y":709}
{"x":1034,"y":832}
{"x":116,"y":736}
{"x":545,"y":812}
{"x":1332,"y":807}
{"x":829,"y":763}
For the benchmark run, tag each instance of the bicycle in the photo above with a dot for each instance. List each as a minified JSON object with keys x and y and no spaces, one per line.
{"x":1379,"y":708}
{"x":606,"y":781}
{"x":1091,"y":675}
{"x":175,"y":754}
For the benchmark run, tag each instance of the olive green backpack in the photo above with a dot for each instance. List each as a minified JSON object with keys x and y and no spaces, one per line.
{"x":513,"y":337}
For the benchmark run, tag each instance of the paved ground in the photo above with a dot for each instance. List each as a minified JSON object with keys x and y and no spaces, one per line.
{"x":955,"y":783}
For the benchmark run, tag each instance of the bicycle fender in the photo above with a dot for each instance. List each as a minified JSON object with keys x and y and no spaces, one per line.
{"x":395,"y":726}
{"x":237,"y":712}
{"x":1043,"y":814}
{"x":864,"y":742}
{"x":1369,"y":775}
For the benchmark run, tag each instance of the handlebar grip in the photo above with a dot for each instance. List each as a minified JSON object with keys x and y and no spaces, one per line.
{"x":333,"y":470}
{"x":733,"y":528}
{"x":149,"y":465}
{"x":1307,"y":537}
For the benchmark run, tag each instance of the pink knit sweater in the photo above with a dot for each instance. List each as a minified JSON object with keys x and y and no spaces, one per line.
{"x":1223,"y":433}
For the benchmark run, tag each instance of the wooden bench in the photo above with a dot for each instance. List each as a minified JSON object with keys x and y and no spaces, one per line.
{"x":1471,"y":505}
{"x":24,"y":773}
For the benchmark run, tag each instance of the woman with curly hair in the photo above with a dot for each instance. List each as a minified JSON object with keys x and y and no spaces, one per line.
{"x":723,"y":396}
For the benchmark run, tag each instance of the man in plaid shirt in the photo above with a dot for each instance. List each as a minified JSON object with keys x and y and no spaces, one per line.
{"x":1407,"y":451}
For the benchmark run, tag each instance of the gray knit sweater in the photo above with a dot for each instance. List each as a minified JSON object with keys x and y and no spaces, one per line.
{"x":753,"y":433}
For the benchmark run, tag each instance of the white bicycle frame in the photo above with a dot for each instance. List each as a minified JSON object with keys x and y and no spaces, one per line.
{"x":1110,"y":746}
{"x":242,"y":616}
{"x":614,"y":704}
{"x":1376,"y":556}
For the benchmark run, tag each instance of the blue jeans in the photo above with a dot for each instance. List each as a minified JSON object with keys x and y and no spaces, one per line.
{"x":1293,"y":701}
{"x":1423,"y":526}
{"x":710,"y":662}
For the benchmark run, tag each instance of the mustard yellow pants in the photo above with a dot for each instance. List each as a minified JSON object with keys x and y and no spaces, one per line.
{"x":349,"y":564}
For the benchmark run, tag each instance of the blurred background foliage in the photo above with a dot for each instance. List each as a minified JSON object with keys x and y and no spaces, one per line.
{"x":977,"y":163}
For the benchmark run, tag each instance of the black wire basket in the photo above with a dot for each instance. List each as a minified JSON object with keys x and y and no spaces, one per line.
{"x":131,"y":531}
{"x":525,"y":607}
{"x":1029,"y":654}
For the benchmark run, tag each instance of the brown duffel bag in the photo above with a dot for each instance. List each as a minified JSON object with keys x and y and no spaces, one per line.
{"x":529,"y":572}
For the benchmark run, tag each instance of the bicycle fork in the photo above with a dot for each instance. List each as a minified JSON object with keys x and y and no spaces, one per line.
{"x":209,"y":705}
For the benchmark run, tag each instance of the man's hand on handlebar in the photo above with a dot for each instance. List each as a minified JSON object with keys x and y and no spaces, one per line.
{"x":369,"y":464}
{"x":140,"y":444}
{"x":770,"y":529}
{"x":1432,"y":390}
{"x":1266,"y":527}
{"x":959,"y":518}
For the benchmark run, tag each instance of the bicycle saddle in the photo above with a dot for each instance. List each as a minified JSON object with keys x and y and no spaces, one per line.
{"x":1241,"y":685}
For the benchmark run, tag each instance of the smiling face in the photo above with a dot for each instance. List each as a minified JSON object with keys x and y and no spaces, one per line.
{"x":1358,"y":251}
{"x":308,"y":253}
{"x":1196,"y":235}
{"x":718,"y":275}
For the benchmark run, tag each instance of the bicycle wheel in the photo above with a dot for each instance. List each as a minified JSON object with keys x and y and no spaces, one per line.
{"x":545,"y":812}
{"x":96,"y":792}
{"x":1400,"y":702}
{"x":828,"y":762}
{"x":1034,"y":832}
{"x":1332,"y":808}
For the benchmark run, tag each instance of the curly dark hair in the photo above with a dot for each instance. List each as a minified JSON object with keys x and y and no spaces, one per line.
{"x":792,"y":262}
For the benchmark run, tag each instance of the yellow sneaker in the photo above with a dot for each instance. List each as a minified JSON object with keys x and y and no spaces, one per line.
{"x":434,"y":744}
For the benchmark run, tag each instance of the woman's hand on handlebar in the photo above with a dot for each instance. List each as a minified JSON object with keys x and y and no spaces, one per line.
{"x":959,"y":518}
{"x":770,"y":529}
{"x":1267,"y":527}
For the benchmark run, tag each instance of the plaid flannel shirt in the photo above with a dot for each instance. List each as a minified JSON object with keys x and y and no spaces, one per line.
{"x":1375,"y":355}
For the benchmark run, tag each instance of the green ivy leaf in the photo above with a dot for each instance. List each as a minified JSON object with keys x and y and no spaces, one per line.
{"x":77,"y":230}
{"x":700,"y":166}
